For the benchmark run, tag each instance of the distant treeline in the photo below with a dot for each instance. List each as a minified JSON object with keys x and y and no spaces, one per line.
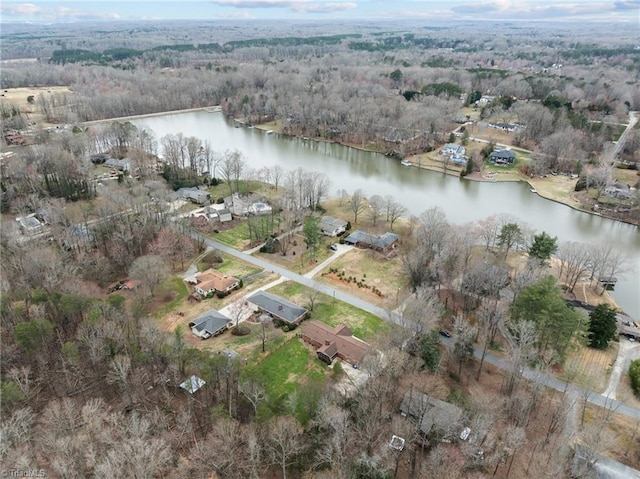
{"x":120,"y":54}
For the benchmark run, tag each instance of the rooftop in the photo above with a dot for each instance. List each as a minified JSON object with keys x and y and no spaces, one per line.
{"x":213,"y":279}
{"x":277,"y":306}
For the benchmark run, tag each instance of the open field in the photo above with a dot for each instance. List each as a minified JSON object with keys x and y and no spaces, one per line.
{"x":18,"y":98}
{"x":590,"y":368}
{"x":367,"y":268}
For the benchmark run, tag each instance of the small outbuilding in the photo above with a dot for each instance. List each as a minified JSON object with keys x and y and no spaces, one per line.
{"x":193,"y":384}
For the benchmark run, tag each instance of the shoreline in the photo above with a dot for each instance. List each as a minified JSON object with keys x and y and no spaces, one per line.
{"x":475,"y":176}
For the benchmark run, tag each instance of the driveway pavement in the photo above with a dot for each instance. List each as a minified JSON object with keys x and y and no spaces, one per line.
{"x":627,"y":351}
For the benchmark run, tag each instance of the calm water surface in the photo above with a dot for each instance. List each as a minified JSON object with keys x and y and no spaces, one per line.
{"x":463,"y":200}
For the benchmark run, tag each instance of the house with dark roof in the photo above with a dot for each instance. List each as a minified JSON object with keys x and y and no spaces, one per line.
{"x":210,"y":324}
{"x":332,"y":226}
{"x":383,"y":243}
{"x":434,"y":417}
{"x":502,"y":157}
{"x":335,"y":342}
{"x":278,"y":308}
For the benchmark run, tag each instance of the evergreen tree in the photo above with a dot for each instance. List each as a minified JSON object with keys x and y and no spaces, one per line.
{"x":543,"y":246}
{"x":602,"y":326}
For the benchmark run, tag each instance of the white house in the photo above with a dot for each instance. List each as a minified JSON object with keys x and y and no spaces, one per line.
{"x":332,"y":226}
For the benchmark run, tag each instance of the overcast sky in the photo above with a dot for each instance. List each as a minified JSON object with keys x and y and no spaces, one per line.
{"x":78,"y":10}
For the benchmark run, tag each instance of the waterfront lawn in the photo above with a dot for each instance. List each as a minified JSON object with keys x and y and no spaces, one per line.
{"x":364,"y":325}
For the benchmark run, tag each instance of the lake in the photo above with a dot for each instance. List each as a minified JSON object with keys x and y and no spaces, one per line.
{"x":463,"y":200}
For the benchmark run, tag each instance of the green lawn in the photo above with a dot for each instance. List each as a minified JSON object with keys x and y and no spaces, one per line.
{"x":236,"y":267}
{"x":291,"y":369}
{"x":173,"y":284}
{"x":333,"y":312}
{"x":237,"y":237}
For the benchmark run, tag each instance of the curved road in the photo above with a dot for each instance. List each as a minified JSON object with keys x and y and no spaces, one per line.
{"x":530,"y":374}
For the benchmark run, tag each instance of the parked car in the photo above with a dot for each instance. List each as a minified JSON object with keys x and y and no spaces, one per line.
{"x":445,"y":333}
{"x":333,"y":247}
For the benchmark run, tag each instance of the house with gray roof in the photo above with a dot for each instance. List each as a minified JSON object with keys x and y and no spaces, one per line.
{"x":502,"y":157}
{"x":210,"y":324}
{"x":453,"y":149}
{"x":195,"y":195}
{"x":381,"y":243}
{"x":278,"y":308}
{"x":434,"y":417}
{"x":332,"y":226}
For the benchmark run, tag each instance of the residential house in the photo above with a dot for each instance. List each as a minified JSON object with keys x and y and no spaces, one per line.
{"x":502,"y":157}
{"x":619,"y":190}
{"x":335,"y":342}
{"x":118,"y":164}
{"x":210,"y":324}
{"x":383,"y":243}
{"x":211,"y":282}
{"x":453,"y":149}
{"x":332,"y":226}
{"x":236,"y":205}
{"x":485,"y":99}
{"x":278,"y":308}
{"x":195,"y":195}
{"x":435,"y":417}
{"x":30,"y":225}
{"x":224,"y":215}
{"x":260,"y":209}
{"x":241,"y":207}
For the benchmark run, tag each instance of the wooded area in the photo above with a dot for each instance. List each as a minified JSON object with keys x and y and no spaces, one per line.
{"x":91,"y":383}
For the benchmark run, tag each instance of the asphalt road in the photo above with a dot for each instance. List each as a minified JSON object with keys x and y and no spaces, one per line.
{"x":532,"y":375}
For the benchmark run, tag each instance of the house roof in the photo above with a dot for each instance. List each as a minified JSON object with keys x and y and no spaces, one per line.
{"x":381,"y":242}
{"x":338,"y":340}
{"x":192,"y":384}
{"x":213,"y":279}
{"x":328,"y":223}
{"x":224,"y":211}
{"x":211,"y":321}
{"x":277,"y":306}
{"x":503,"y":154}
{"x":432,"y":413}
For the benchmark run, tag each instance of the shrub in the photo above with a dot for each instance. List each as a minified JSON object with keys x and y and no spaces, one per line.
{"x":634,"y":376}
{"x":240,"y":330}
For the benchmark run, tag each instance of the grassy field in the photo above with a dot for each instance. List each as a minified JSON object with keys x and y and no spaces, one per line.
{"x":291,"y":370}
{"x":176,"y":287}
{"x":18,"y":98}
{"x":237,"y":237}
{"x":368,"y":268}
{"x":236,"y":267}
{"x":364,"y":325}
{"x":590,"y":368}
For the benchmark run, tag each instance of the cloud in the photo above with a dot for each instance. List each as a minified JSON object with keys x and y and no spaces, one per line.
{"x":294,"y":5}
{"x":325,"y":7}
{"x":51,"y":13}
{"x":515,"y":9}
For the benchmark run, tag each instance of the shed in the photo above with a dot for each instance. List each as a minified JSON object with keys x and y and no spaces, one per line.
{"x":193,"y":384}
